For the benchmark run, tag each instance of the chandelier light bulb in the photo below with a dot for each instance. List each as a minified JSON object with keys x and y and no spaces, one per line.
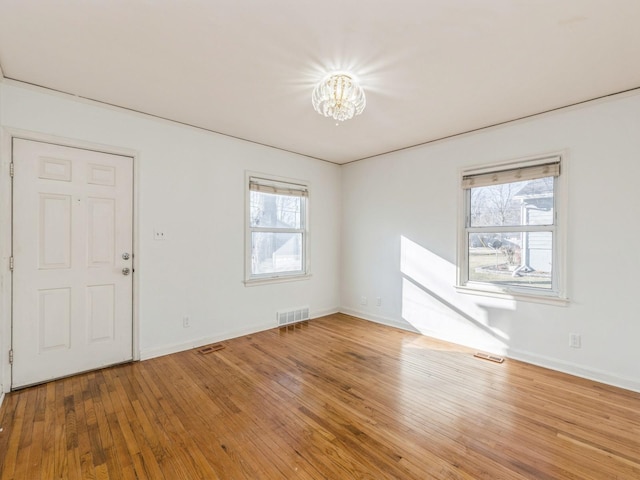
{"x":338,"y":96}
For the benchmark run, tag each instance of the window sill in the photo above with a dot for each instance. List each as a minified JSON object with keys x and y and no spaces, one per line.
{"x":512,"y":295}
{"x":253,"y":282}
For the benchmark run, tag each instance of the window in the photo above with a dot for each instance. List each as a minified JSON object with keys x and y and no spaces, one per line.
{"x":510,"y":235}
{"x":277,"y":229}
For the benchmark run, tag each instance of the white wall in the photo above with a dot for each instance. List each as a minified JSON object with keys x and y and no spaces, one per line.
{"x":398,"y":237}
{"x":5,"y":240}
{"x":190,"y":183}
{"x":399,"y":230}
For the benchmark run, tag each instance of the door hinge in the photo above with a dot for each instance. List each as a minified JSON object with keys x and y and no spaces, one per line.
{"x":11,"y":170}
{"x":11,"y":356}
{"x":11,"y":263}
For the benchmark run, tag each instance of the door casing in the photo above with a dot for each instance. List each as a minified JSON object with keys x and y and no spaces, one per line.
{"x":6,"y":156}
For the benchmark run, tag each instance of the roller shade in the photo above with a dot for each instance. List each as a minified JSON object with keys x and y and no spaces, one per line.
{"x":277,"y":188}
{"x":550,"y":169}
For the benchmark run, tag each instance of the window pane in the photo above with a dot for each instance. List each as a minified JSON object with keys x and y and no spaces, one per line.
{"x":510,"y":204}
{"x":275,"y":211}
{"x":276,"y":252}
{"x":517,"y":258}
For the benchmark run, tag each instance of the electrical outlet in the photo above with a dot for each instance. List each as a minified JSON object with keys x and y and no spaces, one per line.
{"x":575,"y":340}
{"x":378,"y":301}
{"x":158,"y":234}
{"x":186,"y":322}
{"x":363,"y":300}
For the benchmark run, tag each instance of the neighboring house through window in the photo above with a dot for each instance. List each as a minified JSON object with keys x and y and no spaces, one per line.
{"x":277,"y":229}
{"x":511,"y":241}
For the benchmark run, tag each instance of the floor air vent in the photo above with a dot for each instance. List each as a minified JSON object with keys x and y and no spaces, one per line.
{"x":287,"y":317}
{"x":491,"y":358}
{"x":210,"y":348}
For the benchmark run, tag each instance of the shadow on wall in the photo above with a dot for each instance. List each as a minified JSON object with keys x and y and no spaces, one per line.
{"x":431,"y":305}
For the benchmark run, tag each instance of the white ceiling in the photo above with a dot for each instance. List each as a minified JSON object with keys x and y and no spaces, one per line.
{"x":246,"y":68}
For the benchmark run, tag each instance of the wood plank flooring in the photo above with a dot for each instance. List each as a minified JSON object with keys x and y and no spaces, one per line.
{"x":337,"y":398}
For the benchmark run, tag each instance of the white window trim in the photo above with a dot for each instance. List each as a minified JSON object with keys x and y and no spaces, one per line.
{"x":558,"y":294}
{"x":279,"y":277}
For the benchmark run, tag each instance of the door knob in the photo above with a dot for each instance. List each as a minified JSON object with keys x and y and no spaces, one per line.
{"x":125,"y":256}
{"x":126,"y":271}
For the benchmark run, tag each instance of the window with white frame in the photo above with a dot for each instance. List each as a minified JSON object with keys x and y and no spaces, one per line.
{"x":511,"y":239}
{"x":277,"y":229}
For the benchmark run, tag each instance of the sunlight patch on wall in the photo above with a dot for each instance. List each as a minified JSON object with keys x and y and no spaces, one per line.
{"x":432,"y":306}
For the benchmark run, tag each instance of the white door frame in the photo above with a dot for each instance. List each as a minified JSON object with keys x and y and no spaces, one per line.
{"x":7,"y":135}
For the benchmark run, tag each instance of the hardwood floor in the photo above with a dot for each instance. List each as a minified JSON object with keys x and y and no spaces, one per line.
{"x":338,"y":398}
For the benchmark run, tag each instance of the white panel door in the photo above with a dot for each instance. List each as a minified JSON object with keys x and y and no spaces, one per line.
{"x":72,"y":238}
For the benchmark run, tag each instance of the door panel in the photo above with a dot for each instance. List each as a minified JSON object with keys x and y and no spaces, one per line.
{"x":100,"y":313}
{"x":72,"y":221}
{"x":54,"y":232}
{"x":101,"y":231}
{"x":54,"y":319}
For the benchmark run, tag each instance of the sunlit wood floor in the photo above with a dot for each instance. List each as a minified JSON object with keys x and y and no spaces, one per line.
{"x":338,"y":398}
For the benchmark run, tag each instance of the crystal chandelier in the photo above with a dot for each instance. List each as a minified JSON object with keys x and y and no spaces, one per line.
{"x":339,"y":96}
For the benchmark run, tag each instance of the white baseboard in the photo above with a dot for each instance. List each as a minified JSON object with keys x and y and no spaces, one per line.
{"x":199,"y":342}
{"x":483,"y":347}
{"x":325,"y":312}
{"x":523,"y":356}
{"x":1,"y":397}
{"x":390,"y":322}
{"x":576,"y":370}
